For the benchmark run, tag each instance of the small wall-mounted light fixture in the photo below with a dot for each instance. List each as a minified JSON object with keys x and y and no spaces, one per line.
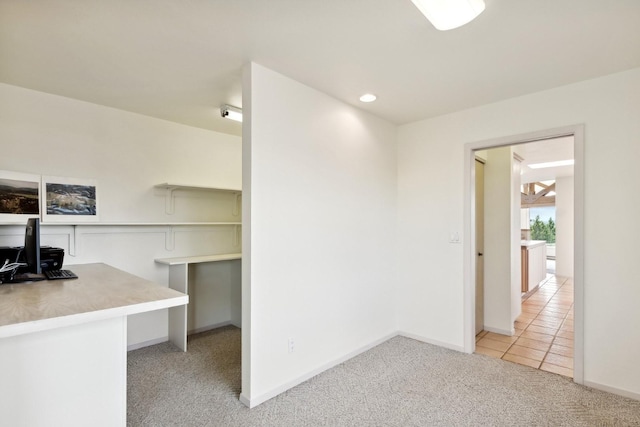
{"x":231,"y":112}
{"x":449,"y":14}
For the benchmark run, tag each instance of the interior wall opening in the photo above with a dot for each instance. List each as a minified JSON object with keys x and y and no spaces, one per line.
{"x":495,"y":251}
{"x":542,"y":311}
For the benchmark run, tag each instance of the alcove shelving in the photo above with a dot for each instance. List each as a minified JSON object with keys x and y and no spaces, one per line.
{"x":170,"y":198}
{"x":170,"y":226}
{"x":170,"y":188}
{"x":178,"y":267}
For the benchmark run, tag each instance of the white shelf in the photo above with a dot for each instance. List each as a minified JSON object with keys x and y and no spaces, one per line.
{"x":170,"y":199}
{"x":170,"y":229}
{"x":140,"y":224}
{"x":198,"y":259}
{"x":172,"y":186}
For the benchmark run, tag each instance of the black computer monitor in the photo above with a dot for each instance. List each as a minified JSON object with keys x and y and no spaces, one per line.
{"x":32,"y":246}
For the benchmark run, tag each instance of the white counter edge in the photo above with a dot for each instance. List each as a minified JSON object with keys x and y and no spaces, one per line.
{"x":91,"y":316}
{"x":532,"y":243}
{"x":198,"y":259}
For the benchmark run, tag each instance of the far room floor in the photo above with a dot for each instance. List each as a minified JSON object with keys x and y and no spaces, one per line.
{"x":544,"y":331}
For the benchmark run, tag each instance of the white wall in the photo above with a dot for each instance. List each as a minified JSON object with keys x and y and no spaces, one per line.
{"x":564,"y":226}
{"x":430,"y":204}
{"x":429,"y":285}
{"x":497,"y":244}
{"x":128,"y":154}
{"x":319,"y":192}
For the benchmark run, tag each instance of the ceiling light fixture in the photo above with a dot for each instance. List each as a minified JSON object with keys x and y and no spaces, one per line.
{"x":231,"y":112}
{"x":368,"y":97}
{"x":569,"y":162}
{"x":449,"y":14}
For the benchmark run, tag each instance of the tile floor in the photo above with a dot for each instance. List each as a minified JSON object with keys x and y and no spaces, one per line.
{"x":544,"y":330}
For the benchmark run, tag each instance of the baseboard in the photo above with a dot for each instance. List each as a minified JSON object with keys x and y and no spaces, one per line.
{"x":531,"y":291}
{"x":430,"y":341}
{"x":613,"y":390}
{"x":245,"y":401}
{"x":510,"y":332}
{"x":255,"y":401}
{"x":155,"y":341}
{"x":147,"y":343}
{"x":208,"y":328}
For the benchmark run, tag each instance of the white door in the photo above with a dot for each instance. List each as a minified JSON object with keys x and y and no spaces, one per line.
{"x":479,"y":246}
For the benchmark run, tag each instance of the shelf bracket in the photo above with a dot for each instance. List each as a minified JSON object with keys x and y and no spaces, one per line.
{"x":236,"y":208}
{"x":236,"y":240}
{"x":169,"y":201}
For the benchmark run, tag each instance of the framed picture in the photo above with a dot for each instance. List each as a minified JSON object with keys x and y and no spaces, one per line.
{"x":69,"y":200}
{"x":19,"y":197}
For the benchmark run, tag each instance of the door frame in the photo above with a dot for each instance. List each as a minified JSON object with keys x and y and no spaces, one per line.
{"x":469,"y":244}
{"x":477,"y":250}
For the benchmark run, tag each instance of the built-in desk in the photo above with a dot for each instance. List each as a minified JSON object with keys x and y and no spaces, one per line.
{"x":63,"y":346}
{"x":179,"y":280}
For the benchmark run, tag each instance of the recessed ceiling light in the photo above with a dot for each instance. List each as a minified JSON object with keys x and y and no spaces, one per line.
{"x":368,"y":97}
{"x":569,"y":162}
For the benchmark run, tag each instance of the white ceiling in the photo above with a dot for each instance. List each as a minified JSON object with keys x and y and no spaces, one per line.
{"x":542,"y":152}
{"x":180,"y":60}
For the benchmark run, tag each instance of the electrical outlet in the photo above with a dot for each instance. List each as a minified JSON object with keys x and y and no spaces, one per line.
{"x":292,"y":345}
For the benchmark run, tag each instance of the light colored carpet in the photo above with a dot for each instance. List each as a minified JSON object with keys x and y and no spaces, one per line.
{"x":401,"y":382}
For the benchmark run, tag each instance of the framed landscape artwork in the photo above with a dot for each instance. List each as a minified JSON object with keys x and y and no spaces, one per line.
{"x":19,"y":197}
{"x":69,"y":200}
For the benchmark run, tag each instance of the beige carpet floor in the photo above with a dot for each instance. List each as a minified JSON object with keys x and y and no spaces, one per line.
{"x":401,"y":382}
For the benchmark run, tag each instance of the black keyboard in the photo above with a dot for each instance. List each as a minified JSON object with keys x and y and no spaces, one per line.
{"x":60,"y":274}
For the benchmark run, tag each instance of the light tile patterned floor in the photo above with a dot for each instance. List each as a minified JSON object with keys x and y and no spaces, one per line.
{"x":544,"y":330}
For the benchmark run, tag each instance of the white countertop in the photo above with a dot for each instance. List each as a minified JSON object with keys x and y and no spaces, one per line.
{"x":532,"y":243}
{"x":99,"y":293}
{"x":198,"y":259}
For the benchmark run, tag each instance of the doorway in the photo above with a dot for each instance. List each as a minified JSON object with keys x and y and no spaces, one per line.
{"x":471,"y":248}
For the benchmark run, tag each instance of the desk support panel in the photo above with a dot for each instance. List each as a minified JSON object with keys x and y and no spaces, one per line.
{"x":179,"y":281}
{"x":71,"y":376}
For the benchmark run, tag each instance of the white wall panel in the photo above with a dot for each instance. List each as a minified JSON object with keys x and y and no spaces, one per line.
{"x":497,"y":246}
{"x":322,"y":233}
{"x":564,"y":226}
